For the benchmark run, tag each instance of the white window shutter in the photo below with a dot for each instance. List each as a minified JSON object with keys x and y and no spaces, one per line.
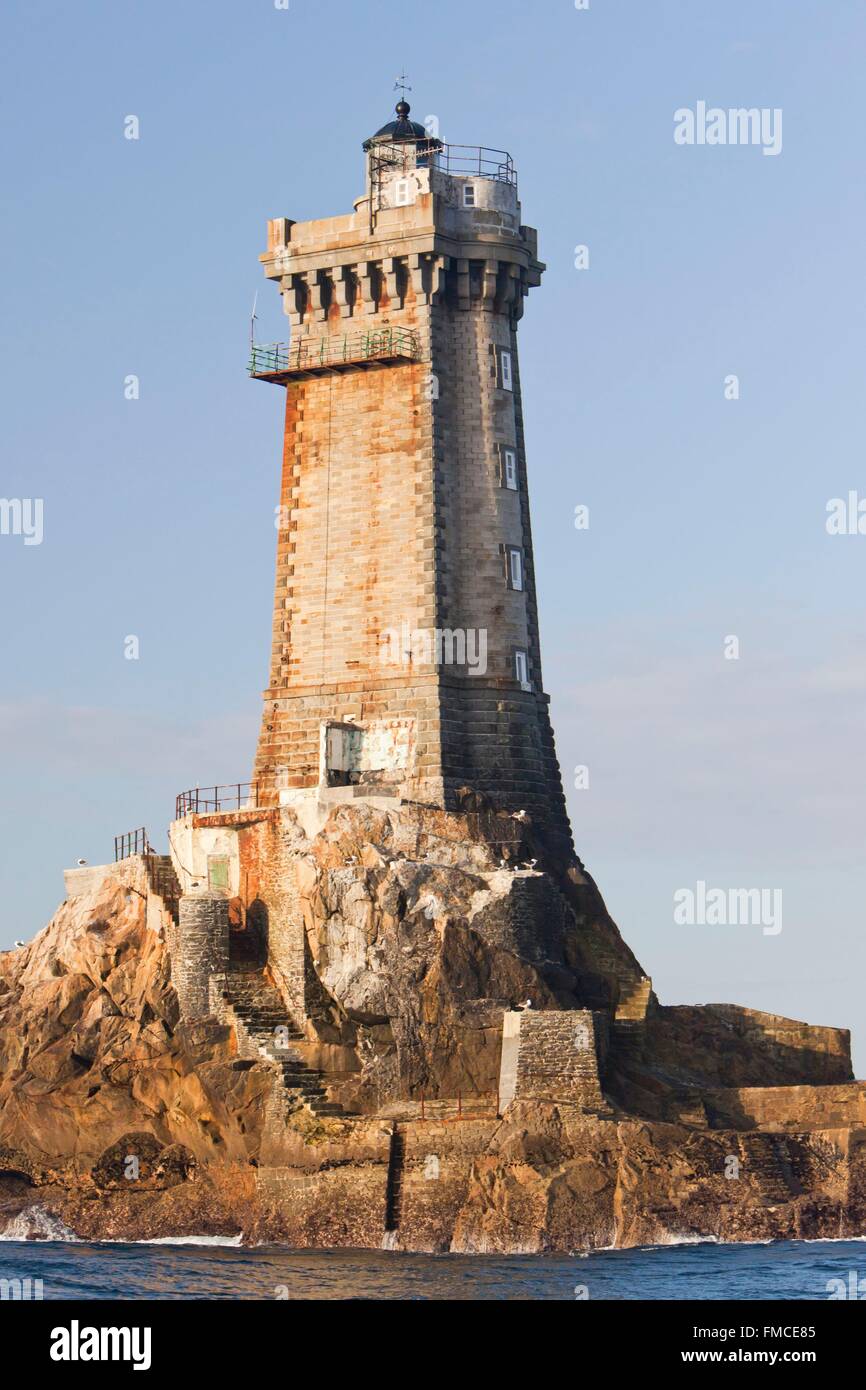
{"x":506,"y":378}
{"x":515,"y":568}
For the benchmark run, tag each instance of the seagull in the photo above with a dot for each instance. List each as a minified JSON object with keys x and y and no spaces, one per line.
{"x":520,"y":815}
{"x":19,"y":944}
{"x":521,"y":1008}
{"x":82,"y":863}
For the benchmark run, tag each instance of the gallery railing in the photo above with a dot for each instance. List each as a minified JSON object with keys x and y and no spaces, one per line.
{"x":209,"y":801}
{"x":334,"y":351}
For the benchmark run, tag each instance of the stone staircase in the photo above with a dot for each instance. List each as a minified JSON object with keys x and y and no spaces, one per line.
{"x":627,"y":1024}
{"x":634,"y":1001}
{"x":163,"y":881}
{"x":394,"y":1186}
{"x":245,"y":947}
{"x":767,"y":1158}
{"x":265,"y":1030}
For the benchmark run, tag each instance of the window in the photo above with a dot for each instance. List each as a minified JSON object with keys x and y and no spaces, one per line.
{"x":514,"y":567}
{"x":521,"y":668}
{"x":403,"y":193}
{"x":504,"y":376}
{"x":508,"y":469}
{"x":218,"y":873}
{"x":469,"y":195}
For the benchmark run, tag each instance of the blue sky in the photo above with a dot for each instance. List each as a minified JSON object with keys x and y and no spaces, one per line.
{"x":707,"y":515}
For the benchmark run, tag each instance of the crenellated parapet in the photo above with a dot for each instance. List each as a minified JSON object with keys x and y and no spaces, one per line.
{"x":412,"y":242}
{"x":373,"y":287}
{"x":356,"y":289}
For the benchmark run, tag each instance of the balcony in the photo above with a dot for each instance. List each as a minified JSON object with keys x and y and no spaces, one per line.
{"x":282,"y":362}
{"x":213,"y":801}
{"x":463,"y":161}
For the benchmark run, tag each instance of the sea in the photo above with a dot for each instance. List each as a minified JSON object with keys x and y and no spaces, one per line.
{"x":204,"y":1268}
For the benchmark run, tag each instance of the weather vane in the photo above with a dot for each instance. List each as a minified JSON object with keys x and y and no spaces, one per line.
{"x":401,"y":83}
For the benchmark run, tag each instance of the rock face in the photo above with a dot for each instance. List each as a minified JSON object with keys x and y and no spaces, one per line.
{"x":422,"y":934}
{"x":382,"y":1118}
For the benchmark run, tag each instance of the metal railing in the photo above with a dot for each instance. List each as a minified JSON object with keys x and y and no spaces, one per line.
{"x":133,"y":842}
{"x":209,"y":801}
{"x":481,"y":1105}
{"x":476,"y":161}
{"x":308,"y":354}
{"x":466,"y":161}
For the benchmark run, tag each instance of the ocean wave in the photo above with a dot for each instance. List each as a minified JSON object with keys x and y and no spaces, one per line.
{"x":690,"y":1238}
{"x":832,"y":1240}
{"x":192,"y":1240}
{"x":35,"y":1223}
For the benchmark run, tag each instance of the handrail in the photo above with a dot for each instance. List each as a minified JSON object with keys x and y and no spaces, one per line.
{"x":267,"y":359}
{"x":471,"y":1114}
{"x":133,"y":842}
{"x":477,"y":161}
{"x":207,"y":801}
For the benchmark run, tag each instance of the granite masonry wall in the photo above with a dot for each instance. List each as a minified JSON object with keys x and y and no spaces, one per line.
{"x":202,"y":950}
{"x":393,"y":515}
{"x":552,"y":1057}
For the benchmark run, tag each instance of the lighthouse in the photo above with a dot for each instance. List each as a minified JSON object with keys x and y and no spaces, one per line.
{"x":405,"y":662}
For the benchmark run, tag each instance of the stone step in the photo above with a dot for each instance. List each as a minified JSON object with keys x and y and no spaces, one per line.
{"x":394,"y":1181}
{"x":266,"y":1017}
{"x":766,"y":1157}
{"x":267,"y":1024}
{"x":287,"y":1060}
{"x":259,"y":1008}
{"x":256,"y":999}
{"x":307,"y":1081}
{"x":274,"y":1034}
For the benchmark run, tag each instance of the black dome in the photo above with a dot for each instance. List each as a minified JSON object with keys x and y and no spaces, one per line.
{"x":401,"y":129}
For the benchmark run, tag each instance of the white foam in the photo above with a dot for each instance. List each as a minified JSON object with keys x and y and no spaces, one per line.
{"x":684,"y":1238}
{"x":35,"y":1223}
{"x":833,"y":1240}
{"x":233,"y":1241}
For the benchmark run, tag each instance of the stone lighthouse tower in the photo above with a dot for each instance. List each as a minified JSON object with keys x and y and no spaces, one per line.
{"x":406,"y":661}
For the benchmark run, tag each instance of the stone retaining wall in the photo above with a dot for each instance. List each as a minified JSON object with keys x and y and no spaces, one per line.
{"x":202,"y":950}
{"x":552,"y":1057}
{"x":787,"y":1107}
